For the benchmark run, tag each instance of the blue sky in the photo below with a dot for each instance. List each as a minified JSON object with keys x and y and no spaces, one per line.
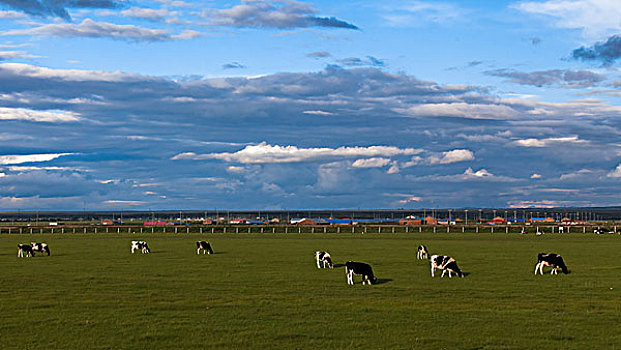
{"x":118,"y":105}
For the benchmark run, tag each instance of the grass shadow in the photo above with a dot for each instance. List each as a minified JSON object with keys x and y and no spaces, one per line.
{"x":383,"y":280}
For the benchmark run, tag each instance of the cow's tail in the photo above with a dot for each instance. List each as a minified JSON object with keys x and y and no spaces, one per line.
{"x":327,"y":258}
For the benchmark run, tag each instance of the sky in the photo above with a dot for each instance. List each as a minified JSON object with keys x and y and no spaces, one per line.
{"x":259,"y":104}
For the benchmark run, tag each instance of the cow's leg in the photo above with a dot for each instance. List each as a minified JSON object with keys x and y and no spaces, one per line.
{"x":449,"y":271}
{"x":443,"y":272}
{"x":319,"y":266}
{"x":536,"y":268}
{"x":541,"y":268}
{"x":432,"y":271}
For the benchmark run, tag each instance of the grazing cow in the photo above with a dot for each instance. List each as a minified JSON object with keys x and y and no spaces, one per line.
{"x":444,"y":263}
{"x":24,"y":248}
{"x":205,"y":246}
{"x":323,"y":257}
{"x":360,"y":269}
{"x":423,"y":253}
{"x":140,"y":245}
{"x":553,"y":260}
{"x":40,"y":247}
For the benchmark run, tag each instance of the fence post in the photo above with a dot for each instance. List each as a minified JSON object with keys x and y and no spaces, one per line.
{"x":448,"y":228}
{"x":407,"y":229}
{"x":583,"y":229}
{"x":273,"y":229}
{"x":379,"y":229}
{"x":434,"y":229}
{"x":286,"y":229}
{"x":338,"y":229}
{"x":506,"y":229}
{"x":213,"y":229}
{"x":492,"y":229}
{"x":313,"y":229}
{"x":9,"y":230}
{"x":299,"y":229}
{"x":353,"y":229}
{"x":84,"y":230}
{"x":420,"y":229}
{"x":187,"y":229}
{"x":324,"y":229}
{"x":393,"y":229}
{"x":463,"y":229}
{"x":477,"y":228}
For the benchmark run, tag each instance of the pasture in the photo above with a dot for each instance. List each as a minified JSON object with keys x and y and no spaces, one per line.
{"x":264,"y":291}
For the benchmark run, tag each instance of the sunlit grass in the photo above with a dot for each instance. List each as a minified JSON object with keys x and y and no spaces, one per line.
{"x":264,"y":291}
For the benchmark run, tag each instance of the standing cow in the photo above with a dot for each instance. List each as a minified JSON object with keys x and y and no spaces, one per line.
{"x":140,"y":245}
{"x":360,"y":269}
{"x":323,"y":257}
{"x":550,"y":259}
{"x":24,"y":249}
{"x":205,"y":246}
{"x":40,"y":247}
{"x":444,"y":263}
{"x":422,"y":253}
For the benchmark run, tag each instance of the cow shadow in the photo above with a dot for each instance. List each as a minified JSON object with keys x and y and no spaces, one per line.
{"x":383,"y":280}
{"x":338,"y":265}
{"x":466,"y":274}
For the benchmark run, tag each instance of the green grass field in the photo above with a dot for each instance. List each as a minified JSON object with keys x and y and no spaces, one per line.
{"x":264,"y":291}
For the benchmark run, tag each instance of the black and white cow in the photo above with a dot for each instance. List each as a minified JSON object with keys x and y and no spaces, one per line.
{"x":24,"y":249}
{"x":205,"y":246}
{"x":323,"y":257}
{"x":40,"y":247}
{"x":550,"y":259}
{"x":444,"y":263}
{"x":359,"y":269}
{"x":140,"y":245}
{"x":422,"y":253}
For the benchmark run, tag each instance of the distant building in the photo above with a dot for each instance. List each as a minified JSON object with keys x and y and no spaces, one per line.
{"x":155,"y":223}
{"x":497,"y":220}
{"x":107,"y":222}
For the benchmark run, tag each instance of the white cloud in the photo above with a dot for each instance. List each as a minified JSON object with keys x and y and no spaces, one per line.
{"x":29,"y":158}
{"x":318,"y":112}
{"x":31,"y":71}
{"x":11,"y":55}
{"x":38,"y":116}
{"x":576,"y":174}
{"x":536,"y":176}
{"x":596,"y":18}
{"x":264,"y":153}
{"x":123,"y":202}
{"x":147,"y":13}
{"x":11,"y":14}
{"x":615,"y":173}
{"x":92,"y":29}
{"x":413,"y":13}
{"x":454,"y":156}
{"x":477,"y":174}
{"x":376,"y":162}
{"x":533,"y":142}
{"x":462,"y":110}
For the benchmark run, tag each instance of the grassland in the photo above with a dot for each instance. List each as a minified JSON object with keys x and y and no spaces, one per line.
{"x":264,"y":291}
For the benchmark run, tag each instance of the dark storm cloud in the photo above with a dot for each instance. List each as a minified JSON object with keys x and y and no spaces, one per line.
{"x":57,"y":8}
{"x":132,"y":138}
{"x":606,"y":52}
{"x":274,"y":14}
{"x":555,"y":77}
{"x":233,"y":65}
